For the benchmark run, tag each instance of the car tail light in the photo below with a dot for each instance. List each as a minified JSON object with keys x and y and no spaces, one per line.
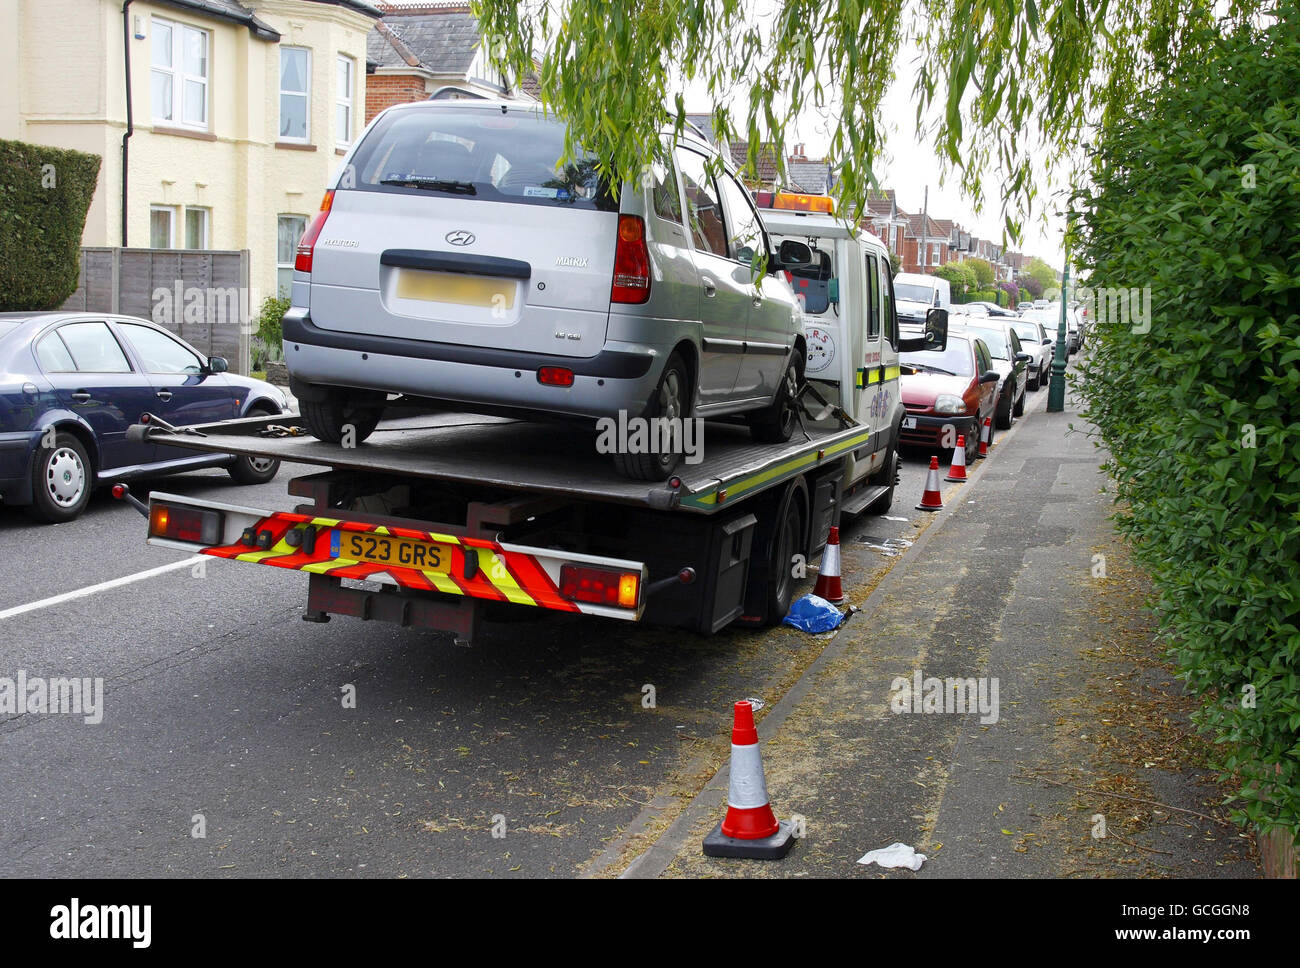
{"x":631,"y":262}
{"x":308,"y":242}
{"x":555,"y":376}
{"x":579,"y":583}
{"x":196,"y":525}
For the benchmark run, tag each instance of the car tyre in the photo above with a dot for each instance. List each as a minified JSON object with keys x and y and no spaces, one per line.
{"x":62,"y":478}
{"x":1020,"y":406}
{"x":254,"y":470}
{"x":776,"y":423}
{"x":671,"y":399}
{"x":328,"y":419}
{"x":1004,"y":417}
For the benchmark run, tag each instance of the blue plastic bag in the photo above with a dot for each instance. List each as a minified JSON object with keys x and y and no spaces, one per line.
{"x":813,"y":614}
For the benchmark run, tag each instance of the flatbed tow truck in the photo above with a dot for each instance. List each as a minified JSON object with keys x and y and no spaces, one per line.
{"x":436,"y":519}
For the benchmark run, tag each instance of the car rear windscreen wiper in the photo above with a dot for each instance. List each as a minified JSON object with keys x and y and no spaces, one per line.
{"x":436,"y":184}
{"x":935,"y":369}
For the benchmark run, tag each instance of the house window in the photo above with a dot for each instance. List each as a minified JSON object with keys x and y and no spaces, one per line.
{"x":343,"y":107}
{"x":196,"y":228}
{"x":162,"y":227}
{"x":288,"y":231}
{"x":295,"y":94}
{"x":179,"y":75}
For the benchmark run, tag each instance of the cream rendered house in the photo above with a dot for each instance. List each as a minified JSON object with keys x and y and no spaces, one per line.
{"x":239,"y":113}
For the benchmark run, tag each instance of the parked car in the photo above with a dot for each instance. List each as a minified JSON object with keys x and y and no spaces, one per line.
{"x":1050,"y":317}
{"x":71,"y":384}
{"x":1026,"y":305}
{"x":954,"y":387}
{"x":993,"y":309}
{"x":1040,"y":347}
{"x":454,"y":260}
{"x":1012,"y":364}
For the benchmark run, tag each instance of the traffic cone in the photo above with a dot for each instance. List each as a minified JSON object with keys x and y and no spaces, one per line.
{"x":985,"y":432}
{"x":930,"y":499}
{"x":957,"y":472}
{"x":828,"y":575}
{"x":750,"y":828}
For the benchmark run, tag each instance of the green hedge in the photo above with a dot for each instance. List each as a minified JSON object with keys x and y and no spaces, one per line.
{"x":44,"y":196}
{"x":1195,"y":194}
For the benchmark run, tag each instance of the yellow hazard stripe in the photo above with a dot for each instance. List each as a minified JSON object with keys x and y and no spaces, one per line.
{"x":785,"y":469}
{"x":872,"y":375}
{"x":499,"y":575}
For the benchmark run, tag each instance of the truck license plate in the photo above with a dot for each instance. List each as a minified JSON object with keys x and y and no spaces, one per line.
{"x":383,"y":549}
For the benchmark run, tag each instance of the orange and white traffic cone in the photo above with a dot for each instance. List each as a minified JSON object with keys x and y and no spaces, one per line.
{"x":750,"y":828}
{"x":985,"y":432}
{"x":828,"y":575}
{"x":957,"y":472}
{"x":931,"y":500}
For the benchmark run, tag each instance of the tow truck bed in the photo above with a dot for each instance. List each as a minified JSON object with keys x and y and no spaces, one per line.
{"x":534,"y":457}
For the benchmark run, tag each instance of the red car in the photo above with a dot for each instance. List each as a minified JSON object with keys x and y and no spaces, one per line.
{"x":954,"y":388}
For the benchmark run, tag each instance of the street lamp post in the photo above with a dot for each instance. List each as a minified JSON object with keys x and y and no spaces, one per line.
{"x":1056,"y":390}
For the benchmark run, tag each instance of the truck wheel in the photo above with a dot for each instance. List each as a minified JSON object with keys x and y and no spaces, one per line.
{"x":671,"y":400}
{"x":780,"y":538}
{"x":254,"y":470}
{"x":888,"y":474}
{"x":328,"y":418}
{"x":775,"y":424}
{"x":61,"y":480}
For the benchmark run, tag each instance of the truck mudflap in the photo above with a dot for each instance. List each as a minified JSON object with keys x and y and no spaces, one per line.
{"x":409,"y":558}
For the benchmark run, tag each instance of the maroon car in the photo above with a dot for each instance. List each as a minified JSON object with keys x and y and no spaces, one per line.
{"x":956,"y":387}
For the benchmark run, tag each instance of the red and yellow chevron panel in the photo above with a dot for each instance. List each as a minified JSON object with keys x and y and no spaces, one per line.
{"x":501,"y":575}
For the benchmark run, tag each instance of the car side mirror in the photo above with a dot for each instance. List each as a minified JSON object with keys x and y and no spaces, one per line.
{"x":990,"y":377}
{"x":793,"y":254}
{"x":1023,"y":357}
{"x":1048,"y":341}
{"x":218,"y":364}
{"x":936,"y":329}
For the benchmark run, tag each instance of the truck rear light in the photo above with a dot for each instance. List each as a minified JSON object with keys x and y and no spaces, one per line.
{"x":195,"y":525}
{"x":579,"y":583}
{"x":631,"y":262}
{"x":555,"y":376}
{"x":307,"y":243}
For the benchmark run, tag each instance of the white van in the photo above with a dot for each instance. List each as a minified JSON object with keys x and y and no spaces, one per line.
{"x":917,"y":293}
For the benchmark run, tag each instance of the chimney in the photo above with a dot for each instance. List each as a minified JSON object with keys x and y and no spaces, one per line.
{"x":798,"y":153}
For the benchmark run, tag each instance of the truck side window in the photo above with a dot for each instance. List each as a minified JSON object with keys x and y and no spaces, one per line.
{"x":890,"y":318}
{"x":873,"y":297}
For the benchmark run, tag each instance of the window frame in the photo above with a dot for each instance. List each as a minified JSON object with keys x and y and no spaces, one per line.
{"x":126,"y":357}
{"x":127,"y":326}
{"x":206,"y":241}
{"x":171,"y":225}
{"x":305,"y":95}
{"x":748,"y":201}
{"x":342,"y":99}
{"x":292,"y":255}
{"x":873,"y":296}
{"x":685,"y":152}
{"x":178,"y":75}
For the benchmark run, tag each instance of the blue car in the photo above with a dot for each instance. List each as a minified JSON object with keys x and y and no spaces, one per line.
{"x":71,"y":384}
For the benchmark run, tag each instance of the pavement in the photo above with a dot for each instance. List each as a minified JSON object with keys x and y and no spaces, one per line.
{"x":1084,"y":767}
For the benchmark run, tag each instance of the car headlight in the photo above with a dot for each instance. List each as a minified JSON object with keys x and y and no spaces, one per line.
{"x":947,"y":403}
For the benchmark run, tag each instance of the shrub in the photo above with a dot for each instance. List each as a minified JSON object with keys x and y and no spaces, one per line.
{"x":44,"y":196}
{"x":270,"y":319}
{"x":1195,"y":193}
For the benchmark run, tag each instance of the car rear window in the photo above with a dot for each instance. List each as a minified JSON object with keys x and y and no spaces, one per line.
{"x":955,"y":358}
{"x":484,"y":154}
{"x":1028,"y":331}
{"x":996,"y":341}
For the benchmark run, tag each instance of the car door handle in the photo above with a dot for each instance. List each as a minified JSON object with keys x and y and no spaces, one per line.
{"x":164,"y":395}
{"x":81,"y":396}
{"x":710,"y":287}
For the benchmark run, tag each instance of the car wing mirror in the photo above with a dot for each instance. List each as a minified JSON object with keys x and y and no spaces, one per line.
{"x":217,"y":364}
{"x":793,"y":254}
{"x":1023,"y":357}
{"x":990,"y":376}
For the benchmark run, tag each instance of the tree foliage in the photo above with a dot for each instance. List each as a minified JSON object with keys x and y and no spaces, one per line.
{"x":983,"y":270}
{"x":1004,"y":86}
{"x":1194,"y":197}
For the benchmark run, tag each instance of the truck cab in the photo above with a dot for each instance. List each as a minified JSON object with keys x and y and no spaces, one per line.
{"x":846,"y":300}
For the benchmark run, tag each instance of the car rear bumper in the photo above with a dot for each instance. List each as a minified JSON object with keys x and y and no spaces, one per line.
{"x":614,"y":380}
{"x":16,"y":466}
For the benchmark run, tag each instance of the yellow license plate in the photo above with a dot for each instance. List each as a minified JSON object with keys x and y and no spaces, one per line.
{"x":453,"y":287}
{"x":382,"y":549}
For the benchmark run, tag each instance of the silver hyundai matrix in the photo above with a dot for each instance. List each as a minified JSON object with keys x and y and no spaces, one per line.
{"x":454,"y":260}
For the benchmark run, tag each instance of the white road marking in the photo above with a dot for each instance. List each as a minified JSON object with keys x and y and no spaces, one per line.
{"x":101,"y":587}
